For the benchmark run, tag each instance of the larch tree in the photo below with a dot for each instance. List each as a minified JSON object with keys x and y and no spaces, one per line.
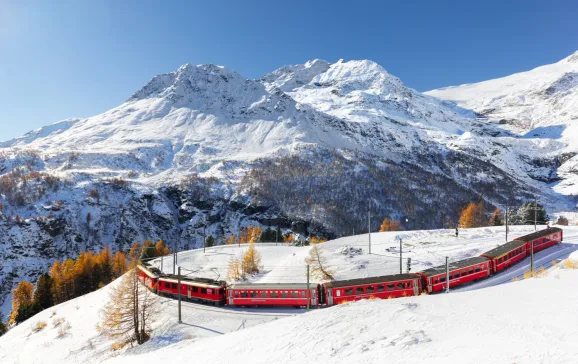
{"x":390,"y":225}
{"x":251,"y":260}
{"x":234,"y":271}
{"x":119,"y":265}
{"x":497,"y":219}
{"x":318,"y":264}
{"x":105,"y":261}
{"x":22,"y":296}
{"x":161,"y":249}
{"x":129,"y":313}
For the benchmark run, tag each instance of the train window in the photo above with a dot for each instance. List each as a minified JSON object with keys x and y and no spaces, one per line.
{"x":254,"y":294}
{"x":237,"y":295}
{"x":464,"y":272}
{"x":284,"y":294}
{"x":174,"y":286}
{"x":359,"y":290}
{"x":303,"y":294}
{"x":408,"y":284}
{"x":195,"y":289}
{"x":263,"y":294}
{"x":370,"y":289}
{"x":338,"y":292}
{"x":477,"y":269}
{"x":203,"y":291}
{"x":244,"y":294}
{"x":443,"y":279}
{"x":274,"y":294}
{"x":348,"y":291}
{"x":471,"y":271}
{"x":294,"y":294}
{"x":380,"y":288}
{"x":390,"y":287}
{"x":400,"y":286}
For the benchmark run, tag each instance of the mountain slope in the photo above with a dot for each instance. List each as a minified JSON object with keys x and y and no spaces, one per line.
{"x":541,"y":103}
{"x":204,"y":149}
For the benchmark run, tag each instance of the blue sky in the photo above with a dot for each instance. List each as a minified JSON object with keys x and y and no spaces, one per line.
{"x":61,"y":59}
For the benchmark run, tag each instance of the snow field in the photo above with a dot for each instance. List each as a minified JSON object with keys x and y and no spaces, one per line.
{"x":482,"y":326}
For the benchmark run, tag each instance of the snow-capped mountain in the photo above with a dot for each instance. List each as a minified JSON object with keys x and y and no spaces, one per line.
{"x":306,"y":148}
{"x":541,"y":103}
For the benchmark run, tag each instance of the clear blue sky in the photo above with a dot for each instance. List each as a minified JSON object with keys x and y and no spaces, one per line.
{"x":62,"y":58}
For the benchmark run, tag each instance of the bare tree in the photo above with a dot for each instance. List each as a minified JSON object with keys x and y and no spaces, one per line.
{"x":131,"y":310}
{"x":318,"y":264}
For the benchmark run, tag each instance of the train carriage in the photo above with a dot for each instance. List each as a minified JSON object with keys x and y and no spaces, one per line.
{"x":543,"y":239}
{"x":460,"y":272}
{"x":505,"y":255}
{"x":194,"y":289}
{"x":399,"y":285}
{"x":272,"y":294}
{"x":148,"y":276}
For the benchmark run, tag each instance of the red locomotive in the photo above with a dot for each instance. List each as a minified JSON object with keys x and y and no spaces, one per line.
{"x":333,"y":293}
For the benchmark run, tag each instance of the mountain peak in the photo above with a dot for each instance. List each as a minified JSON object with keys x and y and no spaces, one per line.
{"x":191,"y":79}
{"x":573,"y":58}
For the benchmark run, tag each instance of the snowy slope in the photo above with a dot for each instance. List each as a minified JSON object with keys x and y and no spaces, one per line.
{"x":523,"y":322}
{"x":441,"y":328}
{"x":541,"y":103}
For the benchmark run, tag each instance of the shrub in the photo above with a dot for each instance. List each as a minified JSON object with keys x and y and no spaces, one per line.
{"x":39,"y":326}
{"x":57,"y":321}
{"x":63,"y":330}
{"x":562,"y":221}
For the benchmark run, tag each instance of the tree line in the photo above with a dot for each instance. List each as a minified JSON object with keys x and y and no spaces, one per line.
{"x":72,"y":278}
{"x":474,"y":215}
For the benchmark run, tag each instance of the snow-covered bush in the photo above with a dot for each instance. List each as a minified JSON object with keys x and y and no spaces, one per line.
{"x":39,"y":326}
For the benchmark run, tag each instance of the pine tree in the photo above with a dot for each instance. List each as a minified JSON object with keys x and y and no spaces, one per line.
{"x":3,"y":326}
{"x":105,"y":262}
{"x":210,"y":241}
{"x":22,"y":295}
{"x":44,"y":293}
{"x":526,"y":214}
{"x":497,"y":218}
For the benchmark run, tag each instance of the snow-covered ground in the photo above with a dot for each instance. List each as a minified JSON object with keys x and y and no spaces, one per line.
{"x":426,"y":248}
{"x":522,"y":322}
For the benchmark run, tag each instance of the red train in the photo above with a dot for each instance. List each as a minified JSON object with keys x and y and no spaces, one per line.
{"x":333,"y":293}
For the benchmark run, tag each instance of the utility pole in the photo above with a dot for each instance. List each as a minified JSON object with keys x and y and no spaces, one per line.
{"x":204,"y":239}
{"x":507,"y":208}
{"x":400,"y":257}
{"x":532,"y":258}
{"x":369,"y":225}
{"x":180,"y":321}
{"x":308,"y":289}
{"x":447,"y":275}
{"x":535,"y":212}
{"x":162,"y":259}
{"x":277,"y":236}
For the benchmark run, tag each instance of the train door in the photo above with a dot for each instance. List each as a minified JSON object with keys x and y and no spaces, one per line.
{"x":416,"y":287}
{"x":189,"y":291}
{"x":329,"y":297}
{"x":321,"y":295}
{"x":230,"y":294}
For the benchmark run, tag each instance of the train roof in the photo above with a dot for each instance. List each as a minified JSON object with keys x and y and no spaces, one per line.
{"x":454,"y":265}
{"x":371,"y":280}
{"x":539,"y":234}
{"x":503,"y":249}
{"x":273,"y":286}
{"x":207,"y":282}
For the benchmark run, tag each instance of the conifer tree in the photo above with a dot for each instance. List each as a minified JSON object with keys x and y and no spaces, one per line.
{"x":251,"y":260}
{"x":161,"y":249}
{"x":44,"y":293}
{"x":131,"y":310}
{"x":497,"y":218}
{"x":210,"y":241}
{"x":105,"y":262}
{"x":318,"y":264}
{"x":119,"y":265}
{"x":22,"y":296}
{"x":3,"y":326}
{"x":390,"y":225}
